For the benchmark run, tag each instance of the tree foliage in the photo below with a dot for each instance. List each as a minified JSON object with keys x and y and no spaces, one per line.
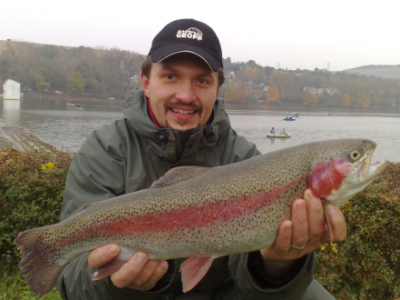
{"x":113,"y":71}
{"x":41,"y":84}
{"x":75,"y":83}
{"x":345,"y":101}
{"x":272,"y":95}
{"x":363,"y":101}
{"x":310,"y":99}
{"x":105,"y":71}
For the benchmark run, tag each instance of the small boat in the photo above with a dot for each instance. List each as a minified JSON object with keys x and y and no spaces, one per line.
{"x":281,"y":135}
{"x":78,"y":107}
{"x":70,"y":104}
{"x":289,"y":119}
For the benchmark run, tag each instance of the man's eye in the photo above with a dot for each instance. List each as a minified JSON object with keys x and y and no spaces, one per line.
{"x":169,"y":76}
{"x":202,"y":81}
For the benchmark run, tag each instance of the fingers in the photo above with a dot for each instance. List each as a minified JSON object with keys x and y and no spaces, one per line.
{"x":300,"y":224}
{"x":103,"y":255}
{"x":139,"y":273}
{"x":148,"y":278}
{"x":316,"y":217}
{"x":283,"y":240}
{"x":307,"y":229}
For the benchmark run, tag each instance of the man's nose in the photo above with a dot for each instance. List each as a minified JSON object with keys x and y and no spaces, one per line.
{"x":186,"y":93}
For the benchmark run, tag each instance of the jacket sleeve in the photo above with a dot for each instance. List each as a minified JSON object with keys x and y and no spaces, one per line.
{"x":254,"y":288}
{"x":235,"y":148}
{"x":96,"y":173}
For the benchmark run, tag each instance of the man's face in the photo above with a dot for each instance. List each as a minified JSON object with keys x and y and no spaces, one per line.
{"x":182,"y":90}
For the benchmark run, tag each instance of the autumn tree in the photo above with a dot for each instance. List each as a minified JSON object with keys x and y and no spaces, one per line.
{"x":374,"y":97}
{"x":310,"y":99}
{"x":230,"y":93}
{"x":272,"y":95}
{"x":345,"y":101}
{"x":41,"y":83}
{"x":75,"y":83}
{"x":240,"y":96}
{"x":363,"y":101}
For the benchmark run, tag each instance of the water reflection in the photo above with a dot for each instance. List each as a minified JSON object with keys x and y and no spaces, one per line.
{"x":11,"y":104}
{"x":11,"y":109}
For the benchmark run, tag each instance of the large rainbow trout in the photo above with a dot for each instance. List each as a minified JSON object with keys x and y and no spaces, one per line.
{"x":201,"y":213}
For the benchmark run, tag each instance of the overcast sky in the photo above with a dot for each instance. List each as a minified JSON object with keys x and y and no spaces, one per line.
{"x":290,"y":34}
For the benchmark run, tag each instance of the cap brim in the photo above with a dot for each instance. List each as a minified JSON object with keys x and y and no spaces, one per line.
{"x":170,"y":50}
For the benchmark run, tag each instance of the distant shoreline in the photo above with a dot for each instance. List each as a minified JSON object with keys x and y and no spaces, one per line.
{"x":79,"y":99}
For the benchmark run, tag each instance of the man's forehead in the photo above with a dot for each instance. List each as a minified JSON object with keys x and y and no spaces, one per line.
{"x":188,"y":59}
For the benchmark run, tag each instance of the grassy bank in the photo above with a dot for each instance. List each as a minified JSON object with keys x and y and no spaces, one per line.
{"x":365,"y":266}
{"x":13,"y":286}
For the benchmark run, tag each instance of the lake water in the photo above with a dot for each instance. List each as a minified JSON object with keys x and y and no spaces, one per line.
{"x":67,"y":129}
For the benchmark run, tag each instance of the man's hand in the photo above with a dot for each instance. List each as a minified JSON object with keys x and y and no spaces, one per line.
{"x":138,"y":273}
{"x":306,"y":231}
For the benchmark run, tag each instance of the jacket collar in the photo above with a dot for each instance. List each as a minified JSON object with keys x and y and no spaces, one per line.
{"x":135,"y":113}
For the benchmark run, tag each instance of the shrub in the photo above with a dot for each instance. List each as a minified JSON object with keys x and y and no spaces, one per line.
{"x":367,"y":264}
{"x":31,"y":191}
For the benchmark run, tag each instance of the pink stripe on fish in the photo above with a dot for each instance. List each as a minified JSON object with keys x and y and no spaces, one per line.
{"x":195,"y":216}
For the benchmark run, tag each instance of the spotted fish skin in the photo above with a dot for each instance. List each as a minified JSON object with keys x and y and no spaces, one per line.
{"x":202,"y":212}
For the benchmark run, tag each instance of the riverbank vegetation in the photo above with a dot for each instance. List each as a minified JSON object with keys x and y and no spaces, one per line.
{"x":110,"y":73}
{"x":365,"y":266}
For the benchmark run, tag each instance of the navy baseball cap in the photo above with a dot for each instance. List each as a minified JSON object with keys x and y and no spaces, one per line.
{"x":187,"y":36}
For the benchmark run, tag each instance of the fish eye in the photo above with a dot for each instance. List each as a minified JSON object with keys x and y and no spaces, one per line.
{"x":355,"y":154}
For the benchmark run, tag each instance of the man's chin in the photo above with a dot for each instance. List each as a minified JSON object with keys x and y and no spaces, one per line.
{"x":182,"y":125}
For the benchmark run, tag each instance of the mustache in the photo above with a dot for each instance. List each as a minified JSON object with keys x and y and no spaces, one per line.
{"x":179,"y":103}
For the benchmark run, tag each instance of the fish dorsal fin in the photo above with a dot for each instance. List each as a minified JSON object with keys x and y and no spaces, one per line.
{"x":193,"y":270}
{"x":177,"y":175}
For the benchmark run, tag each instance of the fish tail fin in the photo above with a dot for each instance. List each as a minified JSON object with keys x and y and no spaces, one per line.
{"x":38,"y":263}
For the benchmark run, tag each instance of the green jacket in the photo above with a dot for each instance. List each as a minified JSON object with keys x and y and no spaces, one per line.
{"x":127,"y":155}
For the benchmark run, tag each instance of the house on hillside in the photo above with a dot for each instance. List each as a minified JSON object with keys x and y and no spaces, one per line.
{"x":11,"y":90}
{"x":320,"y":91}
{"x":134,"y":79}
{"x":265,"y":89}
{"x":229,"y":75}
{"x":248,"y":86}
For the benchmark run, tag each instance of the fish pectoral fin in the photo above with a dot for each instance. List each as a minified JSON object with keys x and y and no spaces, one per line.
{"x":108,"y":269}
{"x":177,"y":175}
{"x":325,"y":205}
{"x":193,"y":270}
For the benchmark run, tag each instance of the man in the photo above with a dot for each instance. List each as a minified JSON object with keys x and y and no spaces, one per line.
{"x":176,"y":120}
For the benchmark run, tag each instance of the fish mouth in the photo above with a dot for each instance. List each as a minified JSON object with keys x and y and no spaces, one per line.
{"x":358,"y":179}
{"x":368,"y":171}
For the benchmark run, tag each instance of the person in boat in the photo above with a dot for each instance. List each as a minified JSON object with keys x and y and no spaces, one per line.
{"x":283,"y":131}
{"x":272,"y":130}
{"x":177,"y":119}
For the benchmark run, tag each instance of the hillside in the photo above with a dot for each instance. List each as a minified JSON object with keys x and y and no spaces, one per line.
{"x":3,"y":46}
{"x":383,"y":71}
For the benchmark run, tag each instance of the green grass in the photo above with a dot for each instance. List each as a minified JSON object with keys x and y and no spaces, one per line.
{"x":14,"y":287}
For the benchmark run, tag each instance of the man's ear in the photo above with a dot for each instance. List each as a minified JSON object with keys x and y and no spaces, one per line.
{"x":145,"y":84}
{"x":217,"y":94}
